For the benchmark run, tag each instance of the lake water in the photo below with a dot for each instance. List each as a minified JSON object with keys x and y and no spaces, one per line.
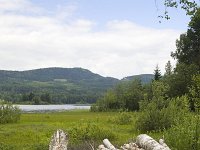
{"x":31,"y":108}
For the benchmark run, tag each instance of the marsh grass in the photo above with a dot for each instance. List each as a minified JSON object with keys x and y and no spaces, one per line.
{"x":34,"y":130}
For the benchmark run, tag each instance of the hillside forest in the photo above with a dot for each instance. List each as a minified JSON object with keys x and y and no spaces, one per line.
{"x":57,"y":85}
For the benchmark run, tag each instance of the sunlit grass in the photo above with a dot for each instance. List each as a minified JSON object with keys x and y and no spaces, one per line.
{"x":34,"y":130}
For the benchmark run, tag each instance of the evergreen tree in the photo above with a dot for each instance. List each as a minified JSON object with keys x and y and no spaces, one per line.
{"x":157,"y":73}
{"x":168,"y":68}
{"x":31,"y":96}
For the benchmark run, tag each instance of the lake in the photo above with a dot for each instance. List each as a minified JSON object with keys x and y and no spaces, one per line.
{"x":39,"y":108}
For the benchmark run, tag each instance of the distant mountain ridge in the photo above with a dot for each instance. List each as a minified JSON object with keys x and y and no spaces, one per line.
{"x":47,"y":74}
{"x":64,"y":85}
{"x":145,"y":78}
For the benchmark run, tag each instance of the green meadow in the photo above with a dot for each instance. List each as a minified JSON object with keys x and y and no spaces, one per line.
{"x":34,"y":130}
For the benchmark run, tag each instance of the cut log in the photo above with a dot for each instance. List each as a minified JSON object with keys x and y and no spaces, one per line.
{"x":102,"y":147}
{"x":59,"y":141}
{"x":146,"y":142}
{"x":108,"y":145}
{"x":162,"y":142}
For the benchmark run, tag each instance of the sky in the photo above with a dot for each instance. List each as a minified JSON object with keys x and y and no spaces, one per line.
{"x":115,"y":38}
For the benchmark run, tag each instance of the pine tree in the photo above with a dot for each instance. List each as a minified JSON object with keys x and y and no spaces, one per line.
{"x":157,"y":73}
{"x":168,"y":68}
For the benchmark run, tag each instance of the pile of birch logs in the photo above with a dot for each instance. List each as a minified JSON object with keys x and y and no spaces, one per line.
{"x":59,"y":141}
{"x":143,"y":142}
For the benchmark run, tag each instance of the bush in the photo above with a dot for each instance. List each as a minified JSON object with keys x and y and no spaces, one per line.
{"x":161,"y":112}
{"x":160,"y":119}
{"x":89,"y":131}
{"x":9,"y":113}
{"x":184,"y":135}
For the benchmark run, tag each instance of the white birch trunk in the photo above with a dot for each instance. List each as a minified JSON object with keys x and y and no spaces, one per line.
{"x":146,"y":142}
{"x":108,"y":145}
{"x":59,"y":141}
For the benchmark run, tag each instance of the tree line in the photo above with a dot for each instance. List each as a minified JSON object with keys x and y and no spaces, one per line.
{"x":179,"y":81}
{"x":171,"y":102}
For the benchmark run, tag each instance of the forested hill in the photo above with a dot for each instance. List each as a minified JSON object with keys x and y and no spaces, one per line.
{"x":54,"y":85}
{"x":145,"y":78}
{"x":51,"y":74}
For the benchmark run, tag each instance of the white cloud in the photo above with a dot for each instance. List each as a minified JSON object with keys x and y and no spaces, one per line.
{"x":18,"y":6}
{"x":123,"y":48}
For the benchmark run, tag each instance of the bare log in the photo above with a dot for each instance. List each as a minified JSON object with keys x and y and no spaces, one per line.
{"x":108,"y":145}
{"x":59,"y":141}
{"x":162,"y":142}
{"x":102,"y":147}
{"x":146,"y":142}
{"x":130,"y":146}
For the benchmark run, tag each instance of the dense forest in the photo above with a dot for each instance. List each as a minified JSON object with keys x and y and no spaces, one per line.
{"x":56,"y":85}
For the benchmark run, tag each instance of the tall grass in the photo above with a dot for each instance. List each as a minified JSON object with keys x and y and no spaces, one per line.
{"x":34,"y":131}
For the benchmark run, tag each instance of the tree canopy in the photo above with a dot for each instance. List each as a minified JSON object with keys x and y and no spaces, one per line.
{"x":189,"y":6}
{"x":188,"y":45}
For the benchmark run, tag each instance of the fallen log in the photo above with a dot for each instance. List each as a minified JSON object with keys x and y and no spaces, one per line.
{"x":146,"y":142}
{"x":143,"y":142}
{"x":59,"y":141}
{"x":108,"y":145}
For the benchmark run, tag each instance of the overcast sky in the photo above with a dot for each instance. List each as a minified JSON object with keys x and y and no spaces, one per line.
{"x":115,"y":38}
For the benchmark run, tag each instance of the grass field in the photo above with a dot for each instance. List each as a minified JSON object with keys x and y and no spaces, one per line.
{"x":34,"y":130}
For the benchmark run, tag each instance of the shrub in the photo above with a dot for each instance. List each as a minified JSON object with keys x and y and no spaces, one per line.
{"x":9,"y":113}
{"x":160,"y":119}
{"x":184,"y":135}
{"x":161,"y":112}
{"x":89,"y":131}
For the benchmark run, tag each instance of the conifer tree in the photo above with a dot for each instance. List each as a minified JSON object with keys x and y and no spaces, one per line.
{"x":168,"y":68}
{"x":157,"y":73}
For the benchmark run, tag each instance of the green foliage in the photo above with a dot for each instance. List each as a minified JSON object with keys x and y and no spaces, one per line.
{"x":189,"y":6}
{"x":6,"y":147}
{"x":188,"y":45}
{"x":124,"y":96}
{"x":89,"y":131}
{"x":157,"y":74}
{"x":184,"y":135}
{"x":144,"y":78}
{"x":188,"y":56}
{"x":168,"y":69}
{"x":36,"y":129}
{"x":9,"y":113}
{"x":53,"y":85}
{"x":194,"y":93}
{"x":154,"y":119}
{"x":180,"y":81}
{"x":123,"y":118}
{"x":161,"y":112}
{"x":133,"y":95}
